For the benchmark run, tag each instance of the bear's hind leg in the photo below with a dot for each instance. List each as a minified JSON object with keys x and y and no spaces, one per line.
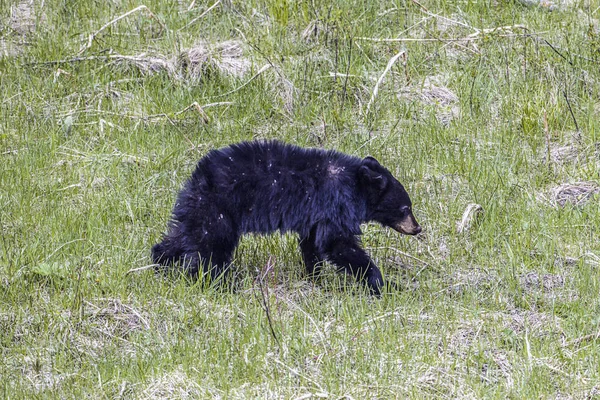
{"x":310,"y":254}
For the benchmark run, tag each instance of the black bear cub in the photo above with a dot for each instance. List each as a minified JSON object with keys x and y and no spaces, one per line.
{"x":267,"y":186}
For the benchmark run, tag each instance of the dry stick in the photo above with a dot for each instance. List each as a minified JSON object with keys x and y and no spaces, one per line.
{"x":470,"y":38}
{"x":128,"y":13}
{"x":571,"y":111}
{"x":145,"y":267}
{"x":201,"y":15}
{"x":119,"y":57}
{"x":486,"y":31}
{"x":385,"y":71}
{"x":265,"y":303}
{"x":404,"y":254}
{"x":198,"y":108}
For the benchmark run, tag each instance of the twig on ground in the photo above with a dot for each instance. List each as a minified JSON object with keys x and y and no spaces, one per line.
{"x":571,"y":111}
{"x":118,"y":57}
{"x":192,"y":4}
{"x":264,"y":301}
{"x":385,"y":71}
{"x":404,"y":254}
{"x":198,"y":108}
{"x":487,"y":31}
{"x":393,"y":40}
{"x":144,"y":268}
{"x":128,"y":13}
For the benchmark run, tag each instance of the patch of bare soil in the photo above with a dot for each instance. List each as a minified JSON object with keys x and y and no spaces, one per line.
{"x":22,"y":22}
{"x":548,"y":282}
{"x":549,"y":286}
{"x":536,"y":323}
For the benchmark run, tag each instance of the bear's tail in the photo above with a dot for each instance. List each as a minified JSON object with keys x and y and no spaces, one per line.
{"x":170,"y":250}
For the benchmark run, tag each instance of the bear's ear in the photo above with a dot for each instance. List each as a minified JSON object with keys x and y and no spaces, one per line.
{"x":371,"y":177}
{"x":371,"y":162}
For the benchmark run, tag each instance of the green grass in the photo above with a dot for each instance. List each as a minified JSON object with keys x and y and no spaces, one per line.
{"x":93,"y":148}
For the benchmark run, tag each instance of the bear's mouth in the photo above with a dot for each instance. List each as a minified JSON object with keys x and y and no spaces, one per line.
{"x":408,"y":226}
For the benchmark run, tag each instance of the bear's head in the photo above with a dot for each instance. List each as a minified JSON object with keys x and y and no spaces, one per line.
{"x":387,"y":200}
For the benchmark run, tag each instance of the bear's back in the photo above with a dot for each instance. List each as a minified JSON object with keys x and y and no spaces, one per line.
{"x":268,"y":185}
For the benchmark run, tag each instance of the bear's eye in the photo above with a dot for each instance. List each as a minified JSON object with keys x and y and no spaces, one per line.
{"x":404,"y":210}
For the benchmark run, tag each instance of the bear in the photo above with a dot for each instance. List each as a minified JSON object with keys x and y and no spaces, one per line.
{"x":267,"y":186}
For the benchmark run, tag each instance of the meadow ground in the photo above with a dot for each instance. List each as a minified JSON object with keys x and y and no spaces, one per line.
{"x":487,"y":111}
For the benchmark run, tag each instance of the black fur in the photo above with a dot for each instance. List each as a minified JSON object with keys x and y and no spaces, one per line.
{"x":268,"y":186}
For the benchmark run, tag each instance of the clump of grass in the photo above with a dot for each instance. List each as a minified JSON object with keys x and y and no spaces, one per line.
{"x":577,"y":193}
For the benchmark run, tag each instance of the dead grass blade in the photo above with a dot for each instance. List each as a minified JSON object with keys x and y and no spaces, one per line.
{"x":115,"y":20}
{"x":201,"y":15}
{"x":468,"y":217}
{"x":389,"y":65}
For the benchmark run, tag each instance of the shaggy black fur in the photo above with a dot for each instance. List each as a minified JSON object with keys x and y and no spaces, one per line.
{"x":268,"y":186}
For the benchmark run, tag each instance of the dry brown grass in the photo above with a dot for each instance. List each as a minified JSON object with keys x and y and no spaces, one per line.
{"x":432,"y":93}
{"x":176,"y":385}
{"x":194,"y":63}
{"x":577,"y":193}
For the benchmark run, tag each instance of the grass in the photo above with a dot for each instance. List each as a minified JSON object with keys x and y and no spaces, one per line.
{"x":97,"y":136}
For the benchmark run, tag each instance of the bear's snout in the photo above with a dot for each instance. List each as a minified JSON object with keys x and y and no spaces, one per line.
{"x":408,"y":226}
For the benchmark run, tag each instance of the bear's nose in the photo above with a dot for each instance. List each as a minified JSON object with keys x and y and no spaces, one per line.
{"x":418,"y":230}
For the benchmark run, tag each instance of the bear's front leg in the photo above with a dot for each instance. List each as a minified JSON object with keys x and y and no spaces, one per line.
{"x":347,"y":253}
